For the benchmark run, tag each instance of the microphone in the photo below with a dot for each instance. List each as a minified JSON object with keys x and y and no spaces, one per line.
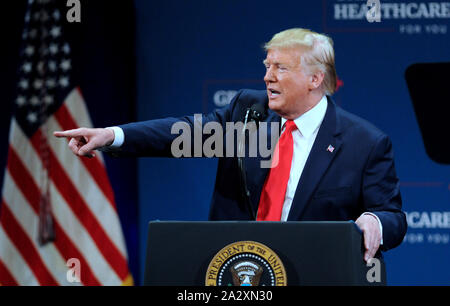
{"x":256,"y":113}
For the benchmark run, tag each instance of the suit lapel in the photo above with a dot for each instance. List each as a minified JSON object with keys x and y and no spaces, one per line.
{"x":318,"y":161}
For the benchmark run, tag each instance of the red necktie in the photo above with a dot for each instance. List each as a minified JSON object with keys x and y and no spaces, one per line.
{"x":274,"y":190}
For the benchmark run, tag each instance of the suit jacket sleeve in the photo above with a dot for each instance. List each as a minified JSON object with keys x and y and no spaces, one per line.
{"x":381,"y":193}
{"x":154,"y":137}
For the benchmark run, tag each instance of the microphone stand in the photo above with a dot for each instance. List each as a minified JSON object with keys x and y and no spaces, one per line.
{"x":243,"y":178}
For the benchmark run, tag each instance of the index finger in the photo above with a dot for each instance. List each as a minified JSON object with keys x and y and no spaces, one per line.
{"x":69,"y":133}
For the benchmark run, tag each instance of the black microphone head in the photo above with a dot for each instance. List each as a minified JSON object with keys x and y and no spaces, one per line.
{"x":257,"y":112}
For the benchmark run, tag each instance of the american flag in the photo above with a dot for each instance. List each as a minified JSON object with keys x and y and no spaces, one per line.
{"x":55,"y":207}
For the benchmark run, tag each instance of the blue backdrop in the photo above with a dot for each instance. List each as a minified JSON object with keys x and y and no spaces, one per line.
{"x":192,"y":55}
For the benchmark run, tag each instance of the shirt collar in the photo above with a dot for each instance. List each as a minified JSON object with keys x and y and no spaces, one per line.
{"x":310,"y":121}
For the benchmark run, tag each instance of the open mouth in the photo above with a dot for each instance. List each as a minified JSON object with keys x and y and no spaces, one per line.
{"x":273,"y":93}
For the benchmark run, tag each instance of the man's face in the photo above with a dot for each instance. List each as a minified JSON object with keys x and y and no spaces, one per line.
{"x":286,"y":81}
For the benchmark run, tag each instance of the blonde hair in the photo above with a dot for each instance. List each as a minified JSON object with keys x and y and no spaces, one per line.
{"x":319,"y":52}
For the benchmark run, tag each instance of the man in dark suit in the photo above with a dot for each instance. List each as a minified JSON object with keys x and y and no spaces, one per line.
{"x":328,"y":165}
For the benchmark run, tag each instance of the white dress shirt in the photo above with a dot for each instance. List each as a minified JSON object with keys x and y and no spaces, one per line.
{"x":304,"y":136}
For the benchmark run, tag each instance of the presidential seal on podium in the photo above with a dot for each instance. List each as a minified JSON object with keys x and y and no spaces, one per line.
{"x":246,"y":263}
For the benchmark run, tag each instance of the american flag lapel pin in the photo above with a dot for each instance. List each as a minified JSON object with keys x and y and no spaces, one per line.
{"x":330,"y":149}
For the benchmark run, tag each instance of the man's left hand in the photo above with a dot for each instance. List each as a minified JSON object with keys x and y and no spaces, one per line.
{"x":372,"y":236}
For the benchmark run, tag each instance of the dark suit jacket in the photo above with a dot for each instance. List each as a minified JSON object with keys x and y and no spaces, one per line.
{"x":358,"y":176}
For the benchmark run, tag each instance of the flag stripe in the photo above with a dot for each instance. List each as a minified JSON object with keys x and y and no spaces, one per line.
{"x":82,"y":211}
{"x":20,"y":174}
{"x":6,"y":279}
{"x":92,"y":196}
{"x":77,"y":243}
{"x":14,"y":262}
{"x":29,"y":219}
{"x":79,"y":111}
{"x":62,"y":243}
{"x":25,"y":246}
{"x":92,"y":165}
{"x":65,"y":245}
{"x":62,"y":214}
